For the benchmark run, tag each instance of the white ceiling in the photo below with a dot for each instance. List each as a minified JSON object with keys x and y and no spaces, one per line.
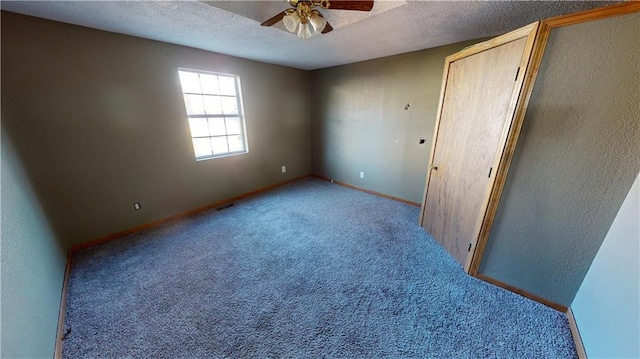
{"x":233,"y":27}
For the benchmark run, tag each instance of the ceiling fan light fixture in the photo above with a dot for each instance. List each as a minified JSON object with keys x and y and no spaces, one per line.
{"x":305,"y":21}
{"x":317,"y":21}
{"x":291,"y":21}
{"x":303,"y":31}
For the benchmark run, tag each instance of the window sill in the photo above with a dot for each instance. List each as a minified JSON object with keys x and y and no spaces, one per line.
{"x":205,"y":158}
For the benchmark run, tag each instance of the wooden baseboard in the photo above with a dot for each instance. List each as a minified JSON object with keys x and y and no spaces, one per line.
{"x":63,"y":301}
{"x":60,"y":331}
{"x":57,"y":354}
{"x":577,"y":339}
{"x":522,"y":292}
{"x":182,"y":215}
{"x":415,"y":204}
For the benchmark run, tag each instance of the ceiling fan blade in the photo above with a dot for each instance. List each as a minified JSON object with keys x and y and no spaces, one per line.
{"x":350,"y":5}
{"x":274,"y":19}
{"x":327,"y":28}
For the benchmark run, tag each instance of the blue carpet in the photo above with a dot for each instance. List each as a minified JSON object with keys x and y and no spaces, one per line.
{"x":311,"y":270}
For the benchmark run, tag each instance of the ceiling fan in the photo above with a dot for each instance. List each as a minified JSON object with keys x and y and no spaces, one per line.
{"x":305,"y":21}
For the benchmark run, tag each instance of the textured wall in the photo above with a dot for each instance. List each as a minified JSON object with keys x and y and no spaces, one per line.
{"x":606,"y":305}
{"x":33,"y":263}
{"x":359,"y":121}
{"x":577,"y":157}
{"x":99,"y":121}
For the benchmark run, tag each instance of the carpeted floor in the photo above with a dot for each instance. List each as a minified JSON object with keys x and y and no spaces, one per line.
{"x":311,"y":270}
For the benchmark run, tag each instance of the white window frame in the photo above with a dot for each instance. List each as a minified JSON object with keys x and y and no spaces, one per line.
{"x":210,"y":116}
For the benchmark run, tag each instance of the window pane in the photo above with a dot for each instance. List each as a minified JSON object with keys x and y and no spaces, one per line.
{"x":229,"y":105}
{"x":216,"y":127}
{"x":194,"y":104}
{"x":202,"y":147}
{"x":189,"y":82}
{"x":212,"y":105}
{"x":233,"y":126}
{"x":219,"y":145}
{"x":209,"y":84}
{"x":198,"y":127}
{"x":213,"y":109}
{"x":236,"y":143}
{"x":227,"y":85}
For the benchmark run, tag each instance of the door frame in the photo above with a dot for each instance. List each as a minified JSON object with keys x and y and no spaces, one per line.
{"x":525,"y":79}
{"x":538,"y":41}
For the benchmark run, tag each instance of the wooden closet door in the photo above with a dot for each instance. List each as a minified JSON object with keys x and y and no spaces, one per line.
{"x":476,"y":111}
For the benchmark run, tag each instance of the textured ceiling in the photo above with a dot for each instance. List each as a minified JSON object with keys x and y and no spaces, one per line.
{"x":233,"y":28}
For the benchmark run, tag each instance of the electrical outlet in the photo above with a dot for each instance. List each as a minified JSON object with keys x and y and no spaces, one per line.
{"x":284,"y":169}
{"x":361,"y":174}
{"x":137,"y":206}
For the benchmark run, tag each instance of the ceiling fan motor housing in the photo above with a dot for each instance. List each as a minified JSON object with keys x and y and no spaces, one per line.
{"x":312,"y":3}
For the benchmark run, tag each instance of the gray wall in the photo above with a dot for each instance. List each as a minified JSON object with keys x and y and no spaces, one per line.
{"x":99,"y":122}
{"x":33,"y":263}
{"x":359,"y":122}
{"x":606,"y":306}
{"x":577,"y":157}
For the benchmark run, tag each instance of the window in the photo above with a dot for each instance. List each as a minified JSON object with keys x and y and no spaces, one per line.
{"x":214,"y":109}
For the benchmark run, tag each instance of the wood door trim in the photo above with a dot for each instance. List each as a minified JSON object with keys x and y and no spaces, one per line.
{"x":495,"y":42}
{"x":522,"y":93}
{"x":515,"y":107}
{"x":541,"y":38}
